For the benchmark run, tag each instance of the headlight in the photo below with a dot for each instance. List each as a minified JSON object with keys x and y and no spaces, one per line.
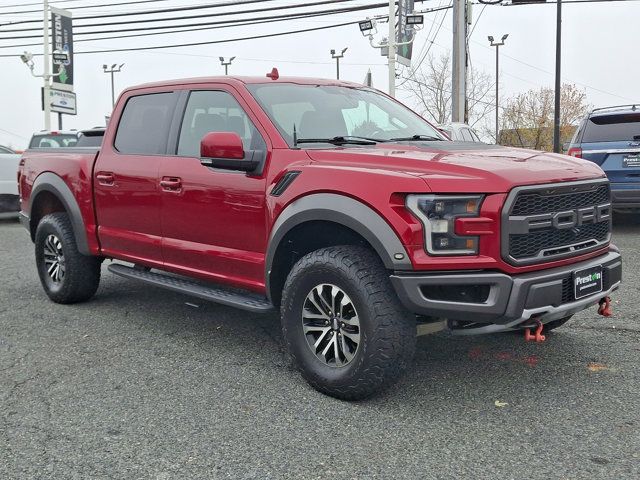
{"x":438,"y":215}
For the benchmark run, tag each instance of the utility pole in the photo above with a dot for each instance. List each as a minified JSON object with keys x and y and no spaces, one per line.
{"x":459,"y":66}
{"x":497,"y":45}
{"x":556,"y":113}
{"x":226,"y":64}
{"x":115,"y":68}
{"x":337,"y":57}
{"x":47,"y":66}
{"x":391,"y":44}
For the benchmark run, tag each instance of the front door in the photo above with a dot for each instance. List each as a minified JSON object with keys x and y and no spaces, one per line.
{"x":126,"y":182}
{"x":213,"y":220}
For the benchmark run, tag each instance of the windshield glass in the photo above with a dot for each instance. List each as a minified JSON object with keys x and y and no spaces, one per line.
{"x":319,"y":111}
{"x":53,"y":141}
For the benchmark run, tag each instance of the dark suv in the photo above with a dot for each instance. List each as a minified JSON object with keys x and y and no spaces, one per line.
{"x":610,"y":137}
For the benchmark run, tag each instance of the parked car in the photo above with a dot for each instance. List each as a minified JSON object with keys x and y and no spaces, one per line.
{"x":610,"y":137}
{"x":460,"y":132}
{"x":9,"y":203}
{"x":53,"y":139}
{"x":332,"y":203}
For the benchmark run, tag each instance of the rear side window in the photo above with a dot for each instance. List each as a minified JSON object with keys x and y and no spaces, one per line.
{"x":612,"y":128}
{"x":144,"y":124}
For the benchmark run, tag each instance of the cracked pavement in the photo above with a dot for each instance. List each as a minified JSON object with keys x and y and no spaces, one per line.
{"x":139,"y":384}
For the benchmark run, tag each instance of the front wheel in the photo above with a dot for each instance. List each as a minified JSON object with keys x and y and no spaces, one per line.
{"x":343,"y":324}
{"x":66,"y":275}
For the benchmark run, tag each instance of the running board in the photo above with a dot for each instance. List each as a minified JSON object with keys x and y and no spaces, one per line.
{"x":233,"y":298}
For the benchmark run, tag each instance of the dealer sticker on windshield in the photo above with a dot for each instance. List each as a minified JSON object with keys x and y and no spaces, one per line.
{"x":631,"y":160}
{"x":588,"y":281}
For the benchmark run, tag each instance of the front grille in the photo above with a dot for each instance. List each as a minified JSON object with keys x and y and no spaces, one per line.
{"x":533,"y":233}
{"x":531,"y":244}
{"x":535,"y":202}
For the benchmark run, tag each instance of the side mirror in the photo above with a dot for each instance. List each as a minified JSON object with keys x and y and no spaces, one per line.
{"x":222,"y":145}
{"x":225,"y":150}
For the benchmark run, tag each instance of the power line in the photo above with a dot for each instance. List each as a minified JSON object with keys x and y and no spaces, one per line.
{"x":74,"y":7}
{"x":202,"y":26}
{"x":211,"y":42}
{"x":185,"y":17}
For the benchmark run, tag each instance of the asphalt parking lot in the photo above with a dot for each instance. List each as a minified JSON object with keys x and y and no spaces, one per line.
{"x":139,"y":384}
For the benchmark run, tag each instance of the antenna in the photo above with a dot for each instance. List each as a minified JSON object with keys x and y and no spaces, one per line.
{"x":295,"y":136}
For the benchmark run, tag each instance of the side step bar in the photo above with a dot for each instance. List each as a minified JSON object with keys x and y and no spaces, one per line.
{"x":234,"y":298}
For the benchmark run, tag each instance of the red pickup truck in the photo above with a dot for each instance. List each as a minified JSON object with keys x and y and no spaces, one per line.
{"x":331,"y":202}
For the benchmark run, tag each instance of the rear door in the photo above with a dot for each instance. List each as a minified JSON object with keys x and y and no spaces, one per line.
{"x":126,"y":182}
{"x":613,"y":142}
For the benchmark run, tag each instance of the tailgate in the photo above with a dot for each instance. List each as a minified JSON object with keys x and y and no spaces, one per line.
{"x":619,"y":160}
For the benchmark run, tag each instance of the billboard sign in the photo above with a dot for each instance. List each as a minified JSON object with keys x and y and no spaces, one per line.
{"x":62,"y":43}
{"x":404,"y":32}
{"x":62,"y":101}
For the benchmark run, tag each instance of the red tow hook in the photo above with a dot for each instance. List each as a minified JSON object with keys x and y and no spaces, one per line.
{"x":537,"y":336}
{"x":605,"y":307}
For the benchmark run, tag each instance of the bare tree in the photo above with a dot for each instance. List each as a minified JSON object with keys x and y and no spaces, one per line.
{"x":527,"y":118}
{"x":430,"y":87}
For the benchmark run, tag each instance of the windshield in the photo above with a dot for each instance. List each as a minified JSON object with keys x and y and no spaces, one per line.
{"x":325,"y":112}
{"x":53,"y":141}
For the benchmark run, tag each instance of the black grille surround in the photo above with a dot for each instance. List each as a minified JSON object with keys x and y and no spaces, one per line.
{"x":529,"y":236}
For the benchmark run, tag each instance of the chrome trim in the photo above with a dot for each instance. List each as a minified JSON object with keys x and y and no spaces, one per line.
{"x":614,"y":150}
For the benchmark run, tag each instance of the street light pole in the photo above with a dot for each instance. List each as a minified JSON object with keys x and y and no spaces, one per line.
{"x":115,"y":68}
{"x":556,"y":113}
{"x":391,"y":45}
{"x":337,"y":57}
{"x":226,"y":64}
{"x":497,"y":45}
{"x":47,"y":66}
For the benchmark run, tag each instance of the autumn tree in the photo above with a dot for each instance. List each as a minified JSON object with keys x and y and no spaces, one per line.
{"x":430,"y":87}
{"x":527,"y":118}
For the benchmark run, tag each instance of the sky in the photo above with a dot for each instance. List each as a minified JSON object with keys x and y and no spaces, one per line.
{"x":599,"y":42}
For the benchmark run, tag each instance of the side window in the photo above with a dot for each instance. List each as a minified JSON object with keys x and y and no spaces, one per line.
{"x":466,"y":135}
{"x":144,"y":124}
{"x":214,"y":111}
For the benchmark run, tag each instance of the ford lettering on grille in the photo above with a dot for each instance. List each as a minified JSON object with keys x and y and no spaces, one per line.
{"x":550,"y":222}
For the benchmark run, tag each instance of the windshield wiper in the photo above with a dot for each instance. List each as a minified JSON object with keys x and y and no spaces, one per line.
{"x":341,"y":140}
{"x":415,"y":138}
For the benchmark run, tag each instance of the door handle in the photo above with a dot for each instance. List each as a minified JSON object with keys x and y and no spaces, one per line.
{"x":106,"y":178}
{"x":171,"y":184}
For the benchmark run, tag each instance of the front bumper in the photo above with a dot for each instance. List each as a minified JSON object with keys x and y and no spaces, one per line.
{"x":502,"y":301}
{"x":625,"y":195}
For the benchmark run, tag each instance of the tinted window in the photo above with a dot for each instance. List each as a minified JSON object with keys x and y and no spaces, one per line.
{"x":214,"y":111}
{"x":144,"y":124}
{"x":612,"y":128}
{"x":53,"y":141}
{"x":90,"y":140}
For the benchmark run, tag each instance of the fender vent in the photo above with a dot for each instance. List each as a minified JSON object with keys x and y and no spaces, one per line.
{"x":286,"y":180}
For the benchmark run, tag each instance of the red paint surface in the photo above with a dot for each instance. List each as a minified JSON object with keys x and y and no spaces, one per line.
{"x":216,"y":224}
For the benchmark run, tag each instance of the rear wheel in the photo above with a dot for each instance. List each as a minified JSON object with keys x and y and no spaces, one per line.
{"x":66,"y":275}
{"x":343,"y":324}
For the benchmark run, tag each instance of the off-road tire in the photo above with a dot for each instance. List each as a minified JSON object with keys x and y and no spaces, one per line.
{"x":387,"y":329}
{"x":82,"y":273}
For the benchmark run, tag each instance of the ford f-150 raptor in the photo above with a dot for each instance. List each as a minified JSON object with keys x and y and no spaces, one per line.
{"x":330,"y":202}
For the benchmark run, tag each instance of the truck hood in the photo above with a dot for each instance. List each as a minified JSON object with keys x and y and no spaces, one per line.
{"x":463,"y":167}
